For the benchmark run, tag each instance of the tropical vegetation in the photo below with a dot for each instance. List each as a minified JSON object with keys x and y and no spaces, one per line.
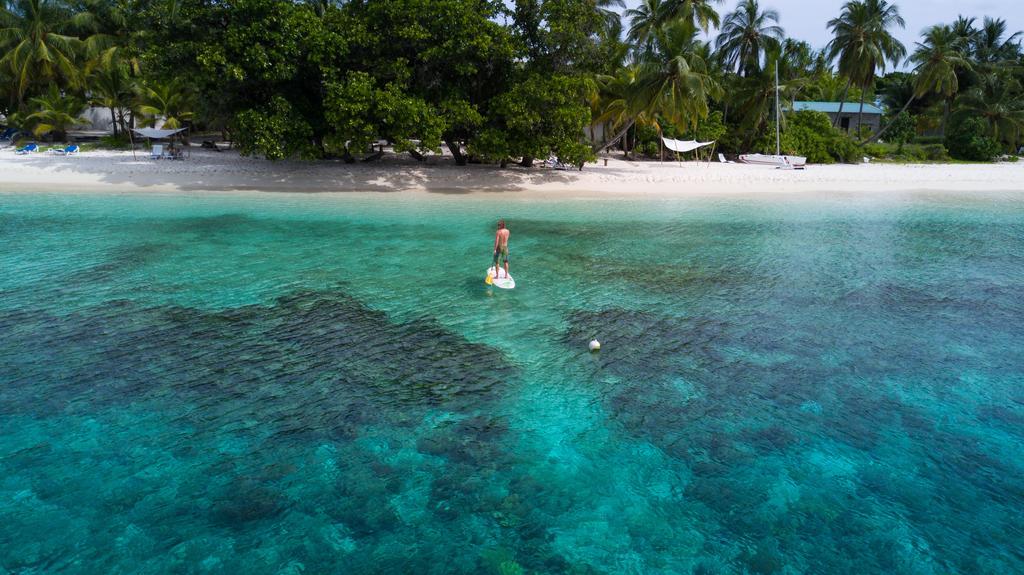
{"x":507,"y":81}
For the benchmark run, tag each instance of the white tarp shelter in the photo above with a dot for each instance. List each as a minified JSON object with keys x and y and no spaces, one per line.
{"x":684,"y":145}
{"x":155,"y":134}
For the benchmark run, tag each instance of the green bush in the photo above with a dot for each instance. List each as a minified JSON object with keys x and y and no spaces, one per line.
{"x":878,"y":150}
{"x":935,"y":153}
{"x":112,"y":142}
{"x":924,"y":140}
{"x":652,"y":149}
{"x":811,"y":134}
{"x":907,"y":153}
{"x":969,"y":140}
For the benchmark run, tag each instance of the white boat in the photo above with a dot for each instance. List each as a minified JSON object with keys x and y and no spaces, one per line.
{"x":778,"y":159}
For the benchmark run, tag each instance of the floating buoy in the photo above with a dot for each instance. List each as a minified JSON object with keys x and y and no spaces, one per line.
{"x":595,"y":345}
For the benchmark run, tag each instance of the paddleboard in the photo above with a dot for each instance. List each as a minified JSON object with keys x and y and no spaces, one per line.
{"x":503,"y":282}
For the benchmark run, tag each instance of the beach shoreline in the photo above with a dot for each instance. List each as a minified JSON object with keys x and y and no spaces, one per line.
{"x":228,"y":172}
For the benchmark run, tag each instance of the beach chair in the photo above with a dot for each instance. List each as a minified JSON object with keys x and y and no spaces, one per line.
{"x":69,"y":150}
{"x":722,"y":160}
{"x":27,"y":149}
{"x":157,"y":152}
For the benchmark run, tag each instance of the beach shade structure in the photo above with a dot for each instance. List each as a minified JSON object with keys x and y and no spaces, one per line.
{"x":29,"y":149}
{"x":684,"y":145}
{"x":159,"y":134}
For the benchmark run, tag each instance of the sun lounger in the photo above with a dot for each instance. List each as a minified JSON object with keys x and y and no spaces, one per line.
{"x":69,"y":150}
{"x":29,"y":149}
{"x":721,"y":159}
{"x":157,"y":152}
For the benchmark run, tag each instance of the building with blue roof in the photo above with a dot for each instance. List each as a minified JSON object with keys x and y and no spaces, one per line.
{"x":872,"y":116}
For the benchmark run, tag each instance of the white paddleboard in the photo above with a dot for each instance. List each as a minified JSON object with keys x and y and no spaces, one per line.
{"x":503,"y":282}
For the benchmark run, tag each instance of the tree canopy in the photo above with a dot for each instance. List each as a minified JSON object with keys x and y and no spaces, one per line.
{"x":492,"y":80}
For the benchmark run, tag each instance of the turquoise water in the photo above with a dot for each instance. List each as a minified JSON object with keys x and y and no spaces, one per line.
{"x":290,"y":384}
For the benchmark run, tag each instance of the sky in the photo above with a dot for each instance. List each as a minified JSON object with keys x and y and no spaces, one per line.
{"x":807,"y":19}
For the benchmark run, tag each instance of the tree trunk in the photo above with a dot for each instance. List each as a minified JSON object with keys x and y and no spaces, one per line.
{"x":945,"y":116}
{"x":842,"y":101}
{"x":419,"y":157}
{"x":113,"y":121}
{"x":879,"y":133}
{"x":460,"y":158}
{"x":618,"y":136}
{"x":527,"y":162}
{"x":860,"y":113}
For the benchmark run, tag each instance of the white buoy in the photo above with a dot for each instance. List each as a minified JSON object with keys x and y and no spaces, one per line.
{"x":595,"y":345}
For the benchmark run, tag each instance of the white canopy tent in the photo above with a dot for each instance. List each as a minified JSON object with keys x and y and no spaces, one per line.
{"x":156,"y":134}
{"x":161,"y":134}
{"x":684,"y":145}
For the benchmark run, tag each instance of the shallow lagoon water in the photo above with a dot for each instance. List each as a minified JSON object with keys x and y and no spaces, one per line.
{"x":290,"y":384}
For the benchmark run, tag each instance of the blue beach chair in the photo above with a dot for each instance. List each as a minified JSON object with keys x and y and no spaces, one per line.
{"x":69,"y":150}
{"x":28,"y":149}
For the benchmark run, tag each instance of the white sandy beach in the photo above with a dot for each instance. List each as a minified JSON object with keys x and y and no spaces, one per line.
{"x":210,"y":171}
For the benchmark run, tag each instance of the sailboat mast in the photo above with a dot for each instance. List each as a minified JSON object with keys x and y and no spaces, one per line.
{"x":777,"y":147}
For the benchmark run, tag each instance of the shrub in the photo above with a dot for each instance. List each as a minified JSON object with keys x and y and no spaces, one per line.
{"x":651,"y":149}
{"x":902,"y":129}
{"x":118,"y":142}
{"x":969,"y":140}
{"x":877,"y":150}
{"x":811,"y":134}
{"x":935,"y":153}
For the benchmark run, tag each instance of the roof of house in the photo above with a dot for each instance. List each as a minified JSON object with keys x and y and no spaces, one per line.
{"x":833,"y":107}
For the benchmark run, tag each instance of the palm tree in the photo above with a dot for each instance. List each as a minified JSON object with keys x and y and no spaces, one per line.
{"x":609,"y":11}
{"x":670,"y":82}
{"x":863,"y":44}
{"x":55,"y":113}
{"x":675,"y":82}
{"x":700,"y":13}
{"x":643,"y":21}
{"x":171,"y":102}
{"x":936,"y":61}
{"x":964,"y":27}
{"x":111,"y":86}
{"x":990,"y":45}
{"x":755,"y":94}
{"x":746,"y":34}
{"x":999,"y":102}
{"x":37,"y":51}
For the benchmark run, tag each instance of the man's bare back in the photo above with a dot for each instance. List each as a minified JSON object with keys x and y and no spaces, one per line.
{"x":501,"y":246}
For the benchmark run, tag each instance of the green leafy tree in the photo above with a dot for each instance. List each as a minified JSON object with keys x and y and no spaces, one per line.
{"x":55,"y":113}
{"x":111,"y":86}
{"x":538,"y":116}
{"x":275,"y":131}
{"x":903,"y":130}
{"x":746,"y":34}
{"x":361,"y":112}
{"x":936,"y":60}
{"x":37,"y":48}
{"x":862,"y":44}
{"x":968,"y":139}
{"x":997,"y":101}
{"x":170,"y":102}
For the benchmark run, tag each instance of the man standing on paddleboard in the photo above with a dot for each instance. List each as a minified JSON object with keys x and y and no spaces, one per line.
{"x":501,"y":247}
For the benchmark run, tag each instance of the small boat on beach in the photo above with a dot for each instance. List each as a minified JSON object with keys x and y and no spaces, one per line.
{"x":777,"y":160}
